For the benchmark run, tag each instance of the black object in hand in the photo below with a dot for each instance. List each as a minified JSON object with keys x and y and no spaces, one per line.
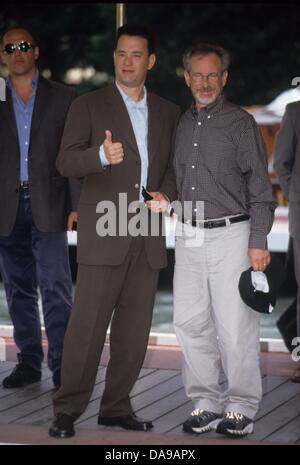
{"x":146,"y":195}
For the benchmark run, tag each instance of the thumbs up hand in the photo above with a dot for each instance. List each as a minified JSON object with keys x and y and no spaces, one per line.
{"x":113,"y":150}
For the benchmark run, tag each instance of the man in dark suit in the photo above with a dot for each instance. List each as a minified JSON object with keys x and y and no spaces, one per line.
{"x":35,"y":208}
{"x":287,"y":167}
{"x":119,"y":138}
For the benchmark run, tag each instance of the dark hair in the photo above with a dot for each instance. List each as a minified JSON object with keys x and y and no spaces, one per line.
{"x":203,"y":49}
{"x":18,"y":26}
{"x":141,"y":31}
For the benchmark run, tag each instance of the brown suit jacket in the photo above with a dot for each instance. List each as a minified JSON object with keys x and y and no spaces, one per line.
{"x":89,"y":116}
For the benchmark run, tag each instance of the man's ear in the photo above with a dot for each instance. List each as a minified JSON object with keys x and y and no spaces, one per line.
{"x":151,"y":60}
{"x":187,"y":78}
{"x":36,"y":52}
{"x":224,"y":77}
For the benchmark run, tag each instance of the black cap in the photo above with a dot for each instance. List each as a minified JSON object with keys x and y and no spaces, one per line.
{"x":258,"y":300}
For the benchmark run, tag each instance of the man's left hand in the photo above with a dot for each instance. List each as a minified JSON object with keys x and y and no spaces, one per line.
{"x":72,"y":218}
{"x":259,"y":259}
{"x":159,"y":203}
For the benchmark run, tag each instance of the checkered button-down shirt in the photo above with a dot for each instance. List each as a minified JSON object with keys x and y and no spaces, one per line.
{"x":220,"y":159}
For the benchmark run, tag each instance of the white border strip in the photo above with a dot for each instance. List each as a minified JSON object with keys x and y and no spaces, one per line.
{"x":2,"y":349}
{"x":160,"y":339}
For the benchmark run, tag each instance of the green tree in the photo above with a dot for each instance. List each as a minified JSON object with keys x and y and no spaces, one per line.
{"x":264,"y":41}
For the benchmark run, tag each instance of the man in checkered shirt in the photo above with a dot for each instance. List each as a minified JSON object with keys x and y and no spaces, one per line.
{"x":221,"y":172}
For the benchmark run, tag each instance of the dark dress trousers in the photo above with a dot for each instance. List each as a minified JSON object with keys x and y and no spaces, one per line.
{"x":287,"y":167}
{"x":33,"y":223}
{"x":117,"y":275}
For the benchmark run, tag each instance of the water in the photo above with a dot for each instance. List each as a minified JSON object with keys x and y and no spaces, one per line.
{"x":163,"y":309}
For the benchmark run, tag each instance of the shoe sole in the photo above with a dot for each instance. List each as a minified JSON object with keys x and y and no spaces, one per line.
{"x":210,"y":427}
{"x":113,"y":423}
{"x":61,"y":436}
{"x":235,"y":433}
{"x":5,"y":386}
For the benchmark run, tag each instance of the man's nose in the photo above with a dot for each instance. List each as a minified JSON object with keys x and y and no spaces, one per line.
{"x":128,"y":59}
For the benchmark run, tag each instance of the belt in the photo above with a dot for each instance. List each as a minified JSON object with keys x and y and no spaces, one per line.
{"x":24,"y":185}
{"x":218,"y":223}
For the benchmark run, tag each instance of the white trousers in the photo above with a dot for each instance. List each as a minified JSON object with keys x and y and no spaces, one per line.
{"x":212,"y":324}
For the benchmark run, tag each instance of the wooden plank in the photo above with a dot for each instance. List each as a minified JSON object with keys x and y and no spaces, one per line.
{"x":272,"y":382}
{"x":156,"y":378}
{"x":25,"y":391}
{"x":162,"y":406}
{"x":172,"y":421}
{"x":288,"y":433}
{"x":25,"y":408}
{"x":40,"y":397}
{"x":41,"y":417}
{"x":24,"y":395}
{"x":153,"y":378}
{"x":6,"y":366}
{"x":276,"y":397}
{"x":42,"y":412}
{"x":93,"y":406}
{"x":277,"y":417}
{"x":145,"y":372}
{"x":156,"y":393}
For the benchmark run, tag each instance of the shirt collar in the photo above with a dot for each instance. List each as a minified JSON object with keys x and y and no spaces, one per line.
{"x":34,"y":81}
{"x":134,"y":103}
{"x":212,"y":108}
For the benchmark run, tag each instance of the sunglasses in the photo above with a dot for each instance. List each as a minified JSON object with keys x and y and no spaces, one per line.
{"x":22,"y":46}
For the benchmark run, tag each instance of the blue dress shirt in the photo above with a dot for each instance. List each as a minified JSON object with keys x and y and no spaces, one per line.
{"x":138,"y":114}
{"x":23,"y":114}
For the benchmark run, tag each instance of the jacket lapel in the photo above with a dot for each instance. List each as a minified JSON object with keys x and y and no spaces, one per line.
{"x":7,"y":110}
{"x":118,"y":113}
{"x":155,"y":126}
{"x":42,"y":100}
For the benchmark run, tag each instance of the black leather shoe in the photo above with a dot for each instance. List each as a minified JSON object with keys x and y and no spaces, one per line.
{"x":22,"y":375}
{"x":130,"y":421}
{"x":62,"y":427}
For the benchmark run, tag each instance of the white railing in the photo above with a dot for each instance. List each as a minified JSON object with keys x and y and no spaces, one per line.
{"x":277,"y":239}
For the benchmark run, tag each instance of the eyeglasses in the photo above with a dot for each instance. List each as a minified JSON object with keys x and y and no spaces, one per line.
{"x":198,"y":77}
{"x":23,"y":46}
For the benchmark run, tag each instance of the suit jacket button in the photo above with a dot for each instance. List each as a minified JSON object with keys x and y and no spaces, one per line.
{"x":137,"y":186}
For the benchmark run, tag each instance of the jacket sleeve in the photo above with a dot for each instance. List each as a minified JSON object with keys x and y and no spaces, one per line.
{"x":75,"y":186}
{"x":76,"y":158}
{"x":284,"y":151}
{"x":168,"y":186}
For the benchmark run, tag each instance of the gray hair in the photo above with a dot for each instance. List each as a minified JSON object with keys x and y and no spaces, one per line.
{"x":203,"y":49}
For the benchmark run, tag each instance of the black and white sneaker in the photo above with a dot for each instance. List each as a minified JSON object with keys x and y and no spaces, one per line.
{"x":235,"y":424}
{"x":201,"y":421}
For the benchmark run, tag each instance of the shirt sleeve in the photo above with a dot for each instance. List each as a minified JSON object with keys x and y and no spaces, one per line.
{"x":252,"y":160}
{"x":284,"y":152}
{"x":103,"y":159}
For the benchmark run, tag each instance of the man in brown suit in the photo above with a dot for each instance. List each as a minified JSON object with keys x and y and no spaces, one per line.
{"x":118,"y":138}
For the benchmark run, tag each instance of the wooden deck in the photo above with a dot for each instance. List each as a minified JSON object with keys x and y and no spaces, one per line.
{"x":25,"y":414}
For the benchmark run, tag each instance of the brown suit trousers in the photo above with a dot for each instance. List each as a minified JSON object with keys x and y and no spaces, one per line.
{"x":127,"y":291}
